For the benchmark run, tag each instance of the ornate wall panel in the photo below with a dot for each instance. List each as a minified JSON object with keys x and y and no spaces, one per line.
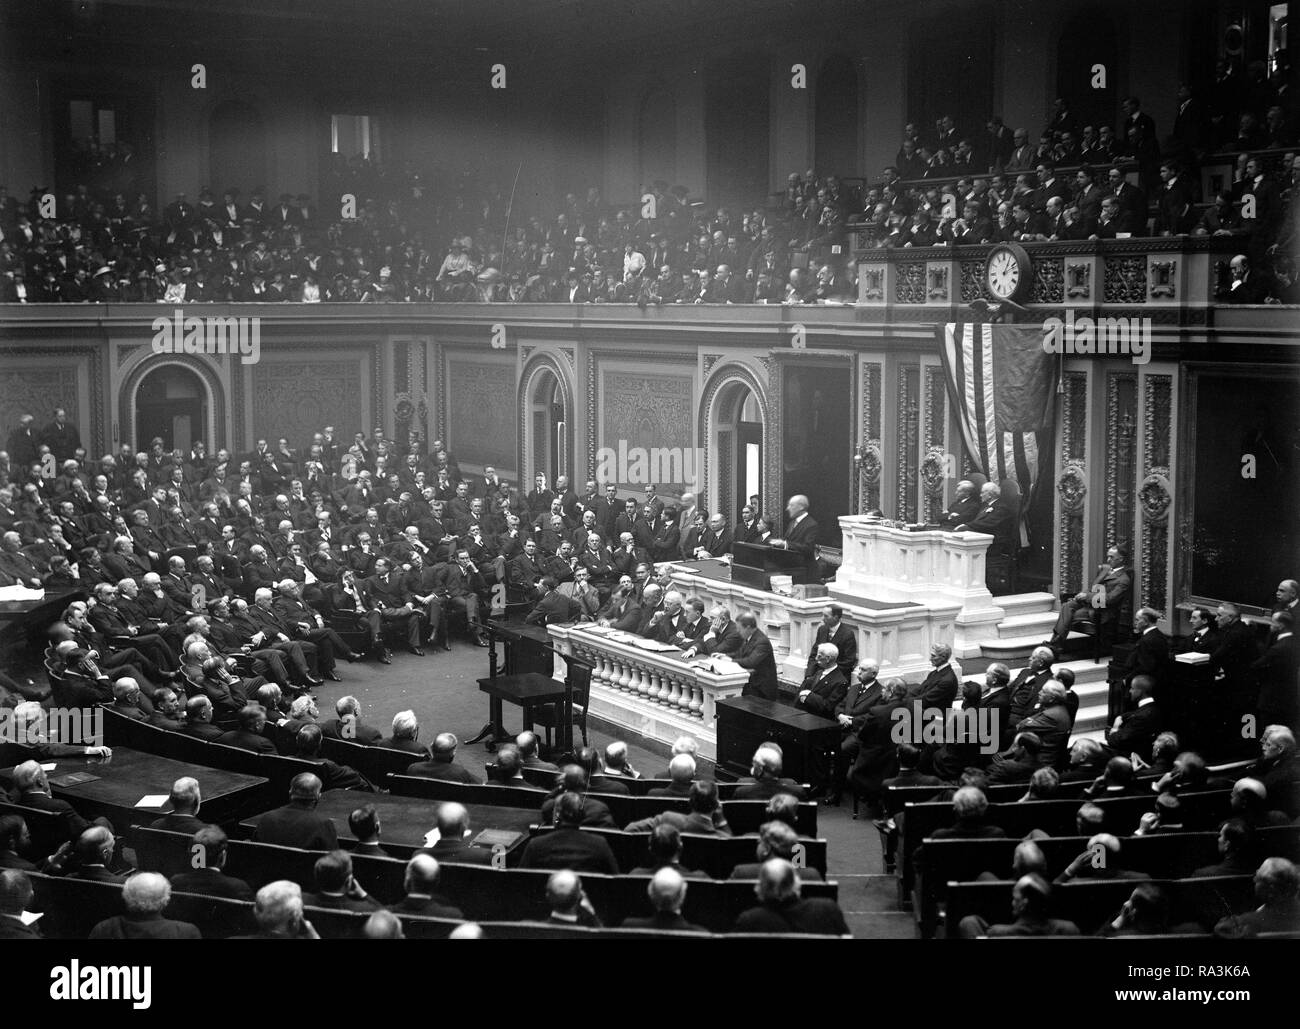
{"x":934,"y":465}
{"x":908,"y":435}
{"x":1155,"y":495}
{"x":294,"y":398}
{"x":1072,"y":485}
{"x":872,"y":457}
{"x":1121,"y":457}
{"x":641,"y":406}
{"x":481,"y":410}
{"x":35,"y":382}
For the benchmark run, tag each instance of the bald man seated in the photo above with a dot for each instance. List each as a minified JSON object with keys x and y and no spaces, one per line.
{"x":144,"y":896}
{"x":667,"y":893}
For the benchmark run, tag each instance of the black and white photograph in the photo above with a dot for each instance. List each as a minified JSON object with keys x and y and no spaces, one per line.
{"x":651,"y":470}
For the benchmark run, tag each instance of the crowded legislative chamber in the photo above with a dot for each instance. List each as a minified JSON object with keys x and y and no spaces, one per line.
{"x":567,"y":470}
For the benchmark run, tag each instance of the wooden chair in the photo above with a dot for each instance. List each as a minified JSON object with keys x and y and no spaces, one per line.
{"x":548,"y":715}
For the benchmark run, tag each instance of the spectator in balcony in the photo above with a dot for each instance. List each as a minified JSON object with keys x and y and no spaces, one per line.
{"x":1175,"y":213}
{"x":908,"y":162}
{"x":1000,"y":144}
{"x":1246,"y":285}
{"x":1277,"y":133}
{"x":1022,"y":154}
{"x":1222,"y":218}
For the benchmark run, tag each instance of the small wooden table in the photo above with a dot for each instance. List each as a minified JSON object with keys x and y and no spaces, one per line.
{"x":526,"y":690}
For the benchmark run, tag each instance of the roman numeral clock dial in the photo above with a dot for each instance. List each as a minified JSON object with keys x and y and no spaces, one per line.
{"x":1007,"y":272}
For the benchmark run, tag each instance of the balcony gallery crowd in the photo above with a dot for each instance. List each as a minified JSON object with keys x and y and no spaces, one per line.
{"x":105,"y":242}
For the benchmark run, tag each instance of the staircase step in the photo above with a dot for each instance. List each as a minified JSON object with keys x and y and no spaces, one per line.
{"x":1041,"y":623}
{"x":1016,"y":647}
{"x":1026,"y":603}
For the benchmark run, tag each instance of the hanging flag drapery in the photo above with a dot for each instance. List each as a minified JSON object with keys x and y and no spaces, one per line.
{"x":1002,"y":385}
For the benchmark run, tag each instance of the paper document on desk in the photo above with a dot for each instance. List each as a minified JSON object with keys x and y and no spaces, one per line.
{"x":1192,"y":659}
{"x":656,"y":645}
{"x":20,"y":593}
{"x":152,"y":800}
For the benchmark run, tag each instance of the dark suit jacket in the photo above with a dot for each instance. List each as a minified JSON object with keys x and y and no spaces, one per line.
{"x":570,"y":848}
{"x":766,"y":789}
{"x":812,"y":915}
{"x":845,"y":641}
{"x":128,"y":927}
{"x":996,"y":520}
{"x":458,"y":852}
{"x":1276,"y":671}
{"x":1024,"y":691}
{"x":553,"y":608}
{"x":756,"y":654}
{"x":802,"y":538}
{"x":178,"y":823}
{"x":448,"y":771}
{"x":826,"y":695}
{"x":938,"y":689}
{"x":1150,"y":656}
{"x":297,"y":825}
{"x":430,"y":907}
{"x":211,"y":882}
{"x":1137,"y":731}
{"x":75,"y":824}
{"x":726,"y":642}
{"x":664,"y":921}
{"x":858,"y":700}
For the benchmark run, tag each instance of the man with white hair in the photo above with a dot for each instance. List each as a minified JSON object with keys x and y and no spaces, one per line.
{"x":1051,"y":723}
{"x":667,"y":894}
{"x":144,"y":896}
{"x":851,"y":712}
{"x":617,"y":763}
{"x":185,"y":800}
{"x":964,"y":507}
{"x":781,"y":909}
{"x":800,"y":530}
{"x":995,"y":518}
{"x":279,"y":914}
{"x":765,"y":780}
{"x":406,"y":735}
{"x":1024,"y":689}
{"x":348,"y":724}
{"x":31,"y":733}
{"x":681,"y":773}
{"x":826,"y":686}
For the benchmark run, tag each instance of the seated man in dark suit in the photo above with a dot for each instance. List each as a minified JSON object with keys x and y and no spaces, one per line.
{"x":781,"y":909}
{"x":567,"y":846}
{"x":970,"y":810}
{"x":964,"y":508}
{"x":333,"y":776}
{"x":528,"y":742}
{"x":764,"y":779}
{"x":722,"y":636}
{"x":144,"y":896}
{"x":681,"y":773}
{"x":756,"y":654}
{"x":406,"y":735}
{"x":252,"y":721}
{"x":554,"y":607}
{"x":1133,"y":732}
{"x":209,"y":878}
{"x":93,"y":852}
{"x":1029,"y":904}
{"x":939,"y":688}
{"x":1277,"y":885}
{"x":336,"y":888}
{"x":198,"y":719}
{"x":442,"y":763}
{"x":297,"y":824}
{"x":665,"y":851}
{"x":667,"y":893}
{"x":568,"y":902}
{"x":348,"y":725}
{"x":597,"y":781}
{"x":15,"y":898}
{"x":775,"y":840}
{"x":183,"y":817}
{"x":32,"y":789}
{"x":453,"y":844}
{"x":508,"y":770}
{"x":419,"y":884}
{"x":1019,"y":763}
{"x":278,"y":910}
{"x":1105,"y":601}
{"x":995,"y":519}
{"x":825,"y":686}
{"x":705,"y":816}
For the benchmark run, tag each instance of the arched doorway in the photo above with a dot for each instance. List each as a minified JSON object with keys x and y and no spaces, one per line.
{"x":737,"y":448}
{"x":171,"y":403}
{"x":836,"y":118}
{"x":236,"y":149}
{"x":549,"y":428}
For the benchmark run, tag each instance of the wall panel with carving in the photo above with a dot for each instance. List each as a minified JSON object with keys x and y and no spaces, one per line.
{"x":36,"y":384}
{"x":480,"y":403}
{"x":646,"y":408}
{"x":295,"y":395}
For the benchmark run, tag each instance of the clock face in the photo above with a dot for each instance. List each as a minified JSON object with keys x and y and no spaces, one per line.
{"x":1003,"y":274}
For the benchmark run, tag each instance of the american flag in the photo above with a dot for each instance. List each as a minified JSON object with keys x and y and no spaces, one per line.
{"x":1002,"y":385}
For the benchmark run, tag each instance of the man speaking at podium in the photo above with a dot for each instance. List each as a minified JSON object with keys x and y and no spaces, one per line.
{"x":800,"y":531}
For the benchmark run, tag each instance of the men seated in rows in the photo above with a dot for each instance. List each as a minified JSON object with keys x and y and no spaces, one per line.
{"x":419,"y":886}
{"x":721,"y":636}
{"x":76,"y":626}
{"x":1030,"y":900}
{"x":825,"y":686}
{"x":666,"y":893}
{"x":305,"y":622}
{"x":582,"y":593}
{"x":31,"y":735}
{"x":508,"y":769}
{"x":347,"y":725}
{"x":573,"y":778}
{"x":144,"y":896}
{"x":110,"y":621}
{"x":209,"y":878}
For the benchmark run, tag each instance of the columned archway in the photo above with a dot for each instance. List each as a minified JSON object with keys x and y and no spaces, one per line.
{"x":735,"y":433}
{"x":546,"y":422}
{"x":172,"y":400}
